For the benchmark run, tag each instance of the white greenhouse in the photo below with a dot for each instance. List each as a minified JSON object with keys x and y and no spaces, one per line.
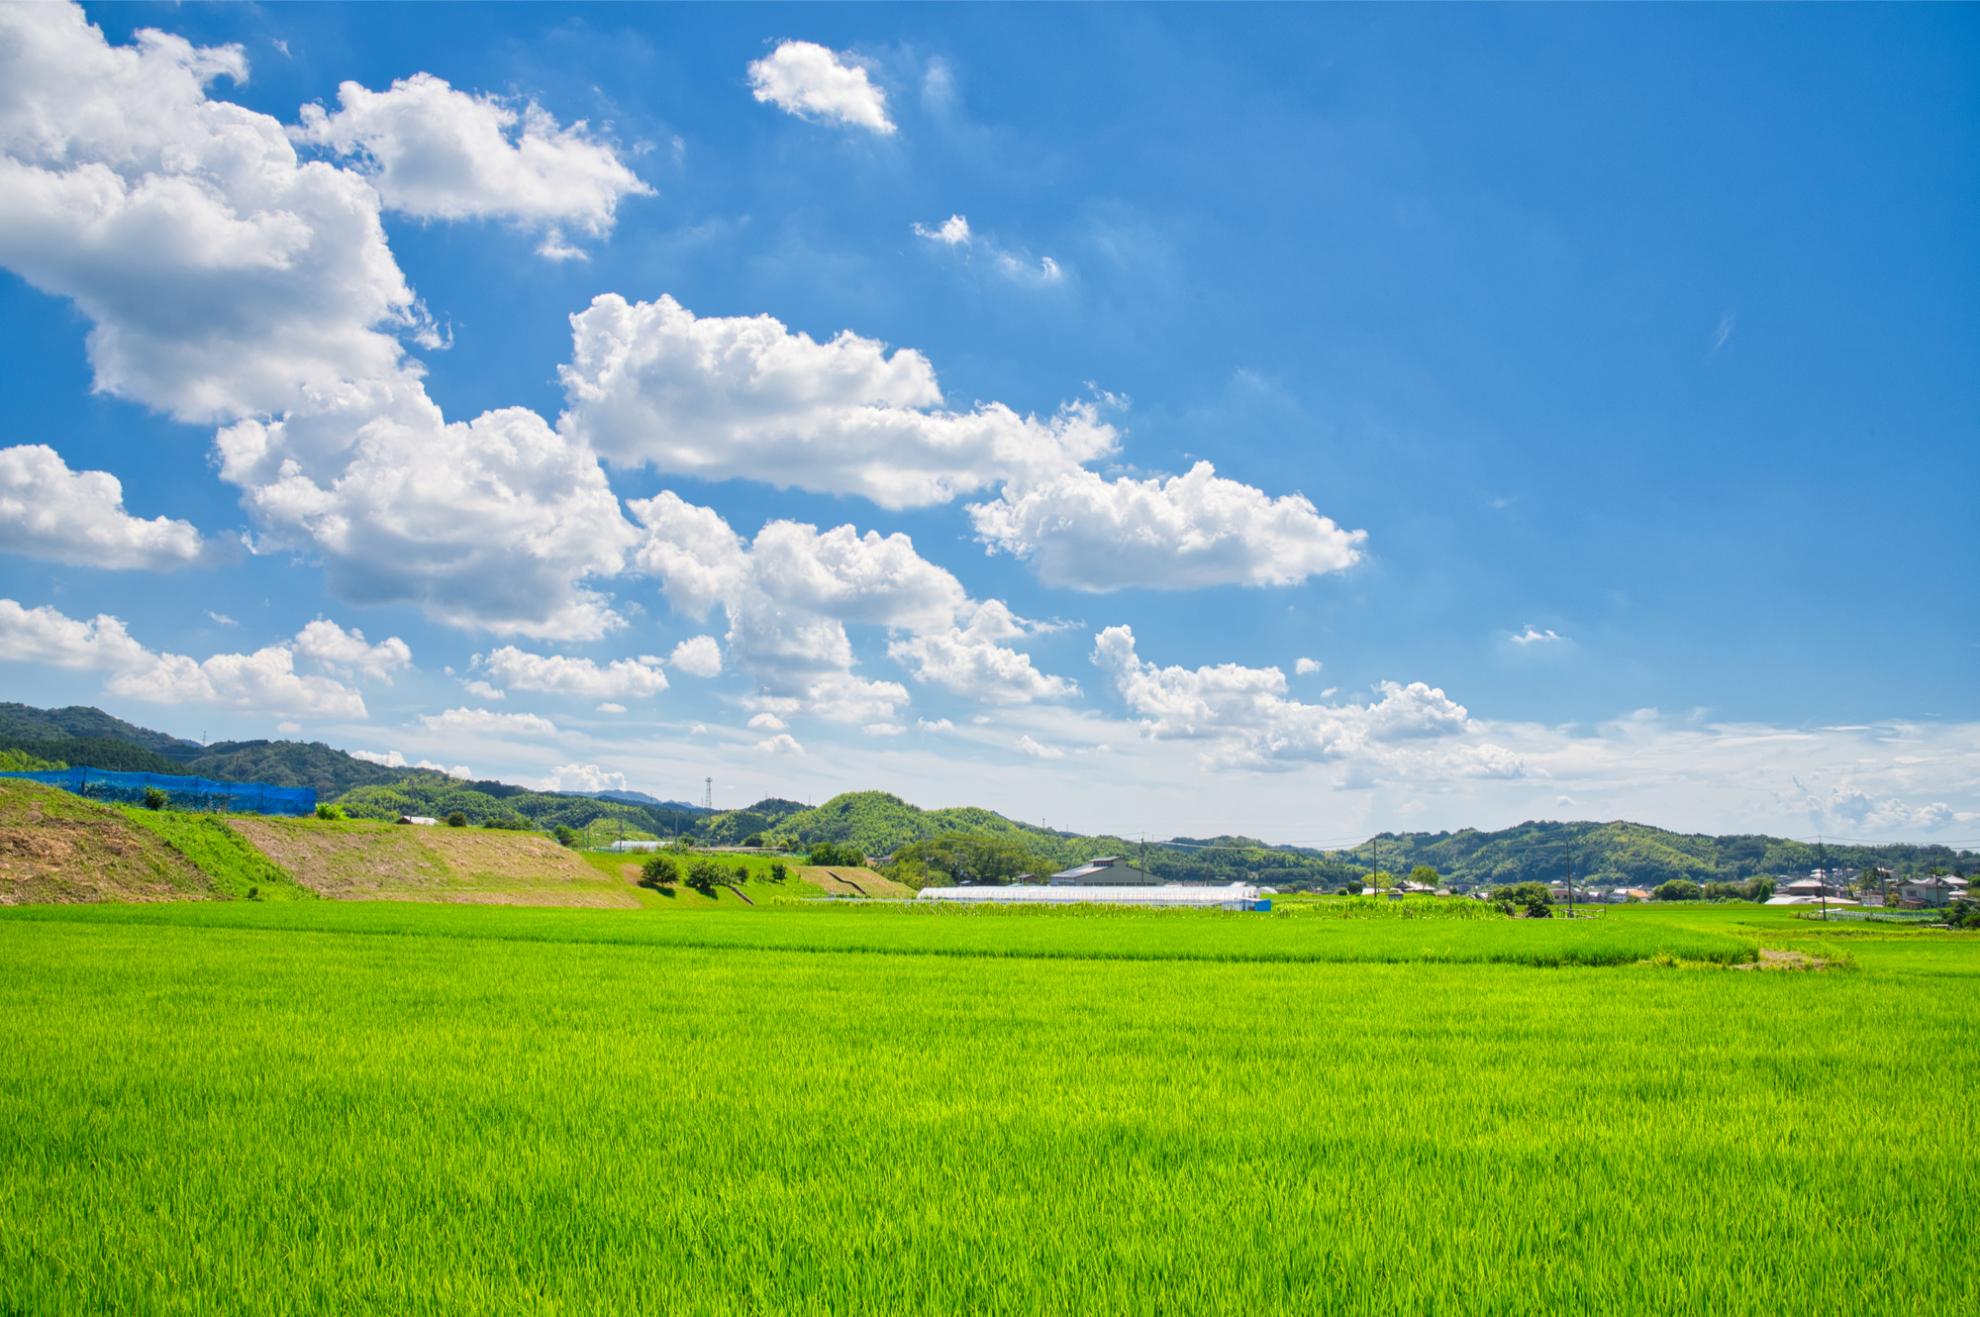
{"x":1237,"y":896}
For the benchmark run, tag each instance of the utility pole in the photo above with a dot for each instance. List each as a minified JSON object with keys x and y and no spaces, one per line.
{"x":1571,"y":868}
{"x":1822,"y":857}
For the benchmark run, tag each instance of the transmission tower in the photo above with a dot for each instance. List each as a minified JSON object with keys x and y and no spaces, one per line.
{"x":708,"y":793}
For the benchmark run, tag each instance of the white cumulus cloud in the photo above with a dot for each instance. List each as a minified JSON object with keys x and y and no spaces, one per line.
{"x":743,"y":397}
{"x":1533,"y":635}
{"x":971,"y":659}
{"x":583,"y":777}
{"x":229,"y":281}
{"x":338,"y":649}
{"x":560,"y":674}
{"x":484,"y":722}
{"x":1246,"y":717}
{"x":395,"y":759}
{"x":50,"y":512}
{"x":1085,"y":532}
{"x":265,"y":681}
{"x":812,"y":82}
{"x":1039,"y":750}
{"x":439,"y":153}
{"x":781,"y":744}
{"x":790,"y":594}
{"x":697,"y":656}
{"x":224,"y":277}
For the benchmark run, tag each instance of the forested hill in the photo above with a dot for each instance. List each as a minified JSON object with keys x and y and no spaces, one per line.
{"x":80,"y":735}
{"x":1631,"y":853}
{"x":23,"y":722}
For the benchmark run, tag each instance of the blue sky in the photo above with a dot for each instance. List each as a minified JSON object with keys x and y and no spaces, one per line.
{"x":1637,"y":344}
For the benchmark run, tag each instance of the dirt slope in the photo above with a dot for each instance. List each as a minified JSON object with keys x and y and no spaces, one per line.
{"x":355,"y":861}
{"x":841,"y":881}
{"x":55,"y":846}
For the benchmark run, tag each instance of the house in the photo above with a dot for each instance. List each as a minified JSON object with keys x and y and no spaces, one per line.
{"x":1103,"y":871}
{"x":419,"y":820}
{"x":1931,"y":892}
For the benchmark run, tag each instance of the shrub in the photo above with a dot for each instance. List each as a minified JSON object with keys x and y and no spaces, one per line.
{"x":705,"y":876}
{"x":1964,"y":913}
{"x":742,"y":873}
{"x":658,"y":871}
{"x":778,"y":873}
{"x":457,"y":820}
{"x":753,"y":839}
{"x":831,"y":854}
{"x":565,"y":835}
{"x":155,"y":798}
{"x":1678,"y":889}
{"x":331,"y":813}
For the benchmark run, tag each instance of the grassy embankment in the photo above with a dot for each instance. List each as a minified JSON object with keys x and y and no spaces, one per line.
{"x":333,"y":1107}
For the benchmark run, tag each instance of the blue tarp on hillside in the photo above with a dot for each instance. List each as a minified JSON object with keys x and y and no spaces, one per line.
{"x":182,"y":792}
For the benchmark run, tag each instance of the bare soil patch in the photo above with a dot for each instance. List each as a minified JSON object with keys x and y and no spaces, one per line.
{"x":358,"y":862}
{"x":58,"y":847}
{"x":1778,"y":958}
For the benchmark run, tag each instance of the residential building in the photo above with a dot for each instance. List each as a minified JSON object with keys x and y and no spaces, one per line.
{"x":1103,"y":871}
{"x":1930,"y":892}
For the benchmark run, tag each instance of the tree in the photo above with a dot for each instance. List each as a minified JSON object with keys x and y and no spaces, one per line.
{"x":565,"y":835}
{"x":155,"y":798}
{"x":457,"y":820}
{"x":1534,"y":900}
{"x":658,"y":871}
{"x":778,"y":873}
{"x":965,"y":857}
{"x":753,"y":840}
{"x":1678,"y":889}
{"x":705,"y":876}
{"x":1425,"y":876}
{"x":1381,"y":880}
{"x":831,"y":855}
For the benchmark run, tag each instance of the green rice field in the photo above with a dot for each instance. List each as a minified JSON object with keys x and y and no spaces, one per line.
{"x":337,"y":1107}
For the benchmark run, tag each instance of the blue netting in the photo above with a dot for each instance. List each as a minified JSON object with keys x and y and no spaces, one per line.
{"x":183,"y":792}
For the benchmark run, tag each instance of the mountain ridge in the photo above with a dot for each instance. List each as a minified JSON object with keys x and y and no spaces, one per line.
{"x":880,"y":823}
